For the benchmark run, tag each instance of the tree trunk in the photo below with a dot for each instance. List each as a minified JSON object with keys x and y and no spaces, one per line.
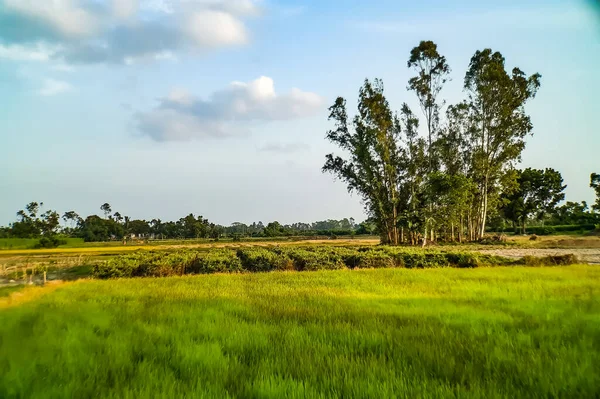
{"x":484,"y":204}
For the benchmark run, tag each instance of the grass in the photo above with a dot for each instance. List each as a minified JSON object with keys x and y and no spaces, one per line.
{"x":469,"y":333}
{"x":7,"y":291}
{"x":28,"y":243}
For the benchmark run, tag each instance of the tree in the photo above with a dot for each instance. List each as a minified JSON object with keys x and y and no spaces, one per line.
{"x":273,"y":229}
{"x":595,"y":184}
{"x":94,"y":228}
{"x":118,"y":217}
{"x":372,"y":170}
{"x":106,"y":209}
{"x":538,"y":193}
{"x":498,"y":123}
{"x":49,"y":223}
{"x":574,"y":213}
{"x":432,"y":73}
{"x":27,"y":224}
{"x":71,"y":217}
{"x":139,"y":227}
{"x":414,"y":163}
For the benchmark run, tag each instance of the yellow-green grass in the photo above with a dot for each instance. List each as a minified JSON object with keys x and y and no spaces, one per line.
{"x":476,"y":333}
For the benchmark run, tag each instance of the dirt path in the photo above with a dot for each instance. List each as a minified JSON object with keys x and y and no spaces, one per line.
{"x":587,"y":255}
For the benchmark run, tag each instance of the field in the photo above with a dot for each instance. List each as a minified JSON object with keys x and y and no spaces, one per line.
{"x":480,"y":333}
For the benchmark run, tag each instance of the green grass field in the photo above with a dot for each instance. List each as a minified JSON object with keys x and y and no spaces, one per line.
{"x":468,"y":333}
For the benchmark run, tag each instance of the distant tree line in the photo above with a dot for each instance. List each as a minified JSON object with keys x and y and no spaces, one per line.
{"x":32,"y":223}
{"x":458,"y":179}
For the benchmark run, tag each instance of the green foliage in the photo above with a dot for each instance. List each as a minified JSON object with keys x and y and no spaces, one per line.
{"x":299,"y":258}
{"x":372,"y":168}
{"x":94,"y":229}
{"x":263,"y":260}
{"x":216,"y":261}
{"x":432,"y":73}
{"x":537,"y":194}
{"x":549,"y":230}
{"x":550,"y":260}
{"x":50,"y":242}
{"x":595,"y":184}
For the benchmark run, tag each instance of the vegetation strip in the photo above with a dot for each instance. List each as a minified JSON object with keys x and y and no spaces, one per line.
{"x":301,"y":258}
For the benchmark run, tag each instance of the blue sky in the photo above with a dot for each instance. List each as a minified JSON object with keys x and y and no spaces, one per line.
{"x":219,"y":107}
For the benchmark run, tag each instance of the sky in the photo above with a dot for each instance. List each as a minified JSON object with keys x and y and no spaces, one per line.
{"x":219,"y":107}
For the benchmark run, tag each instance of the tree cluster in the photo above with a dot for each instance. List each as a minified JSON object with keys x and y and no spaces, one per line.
{"x":448,"y":182}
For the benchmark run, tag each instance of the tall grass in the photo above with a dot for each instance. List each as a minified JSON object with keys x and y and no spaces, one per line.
{"x":478,"y":333}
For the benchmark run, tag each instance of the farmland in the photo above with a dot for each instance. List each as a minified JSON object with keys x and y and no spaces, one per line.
{"x":432,"y":322}
{"x":487,"y":332}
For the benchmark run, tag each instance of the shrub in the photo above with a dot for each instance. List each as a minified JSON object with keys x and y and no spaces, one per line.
{"x":49,"y":242}
{"x":463,"y":260}
{"x":373,"y":260}
{"x":122,"y":266}
{"x":495,"y":239}
{"x":550,"y":260}
{"x":256,"y":259}
{"x":219,"y":261}
{"x":263,"y":260}
{"x":304,"y":259}
{"x":545,"y":230}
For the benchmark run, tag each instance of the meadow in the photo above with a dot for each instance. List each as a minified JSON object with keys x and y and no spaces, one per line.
{"x":501,"y":332}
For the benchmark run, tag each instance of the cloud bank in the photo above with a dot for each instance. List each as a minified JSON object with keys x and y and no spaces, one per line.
{"x":181,"y":116}
{"x":119,"y":31}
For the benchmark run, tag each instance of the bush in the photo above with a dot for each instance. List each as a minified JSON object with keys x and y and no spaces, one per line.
{"x":49,"y":242}
{"x":256,"y":259}
{"x":463,"y":260}
{"x":550,"y":260}
{"x":544,"y":230}
{"x":374,"y":260}
{"x":495,"y":239}
{"x":263,"y":260}
{"x":220,"y":261}
{"x":304,"y":259}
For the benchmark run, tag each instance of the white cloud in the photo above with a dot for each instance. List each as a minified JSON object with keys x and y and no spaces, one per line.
{"x":123,"y":31}
{"x":18,"y":52}
{"x":52,"y":87}
{"x":215,"y":28}
{"x":228,"y":112}
{"x":173,"y":125}
{"x":64,"y":15}
{"x":180,"y":96}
